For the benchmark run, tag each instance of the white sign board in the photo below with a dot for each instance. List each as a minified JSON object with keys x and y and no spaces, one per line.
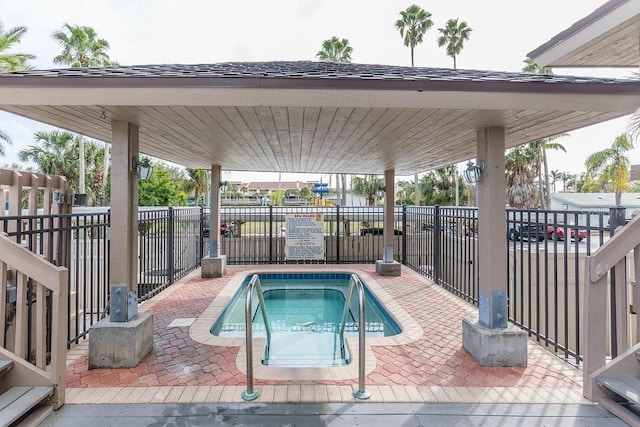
{"x":305,"y":236}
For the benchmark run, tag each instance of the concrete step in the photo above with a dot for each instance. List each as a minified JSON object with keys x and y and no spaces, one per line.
{"x":17,"y":402}
{"x":5,"y":366}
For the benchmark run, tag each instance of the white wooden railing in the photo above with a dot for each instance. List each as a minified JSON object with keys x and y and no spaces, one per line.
{"x":612,"y":254}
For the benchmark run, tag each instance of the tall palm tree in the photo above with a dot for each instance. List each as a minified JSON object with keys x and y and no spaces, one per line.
{"x":556,"y":176}
{"x":81,"y":47}
{"x":335,"y":50}
{"x":453,"y":36}
{"x":543,"y":145}
{"x":612,"y":164}
{"x":11,"y":62}
{"x":369,"y":186}
{"x":413,"y":24}
{"x":55,"y":153}
{"x":521,"y":166}
{"x":196,"y":183}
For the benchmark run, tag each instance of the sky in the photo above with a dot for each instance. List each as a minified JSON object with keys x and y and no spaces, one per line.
{"x":143,"y":32}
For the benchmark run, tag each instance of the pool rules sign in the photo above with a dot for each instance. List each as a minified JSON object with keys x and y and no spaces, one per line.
{"x":305,"y":237}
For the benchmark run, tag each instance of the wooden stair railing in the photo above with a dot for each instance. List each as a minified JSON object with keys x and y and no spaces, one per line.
{"x":617,"y":377}
{"x":48,"y":282}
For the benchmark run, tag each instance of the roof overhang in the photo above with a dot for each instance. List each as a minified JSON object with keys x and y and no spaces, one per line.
{"x":608,"y":37}
{"x":350,"y":122}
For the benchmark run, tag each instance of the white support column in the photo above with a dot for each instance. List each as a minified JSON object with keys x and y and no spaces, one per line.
{"x":489,"y":338}
{"x":391,"y":268}
{"x":122,"y":341}
{"x":214,"y":265}
{"x":492,"y":271}
{"x":124,"y":205}
{"x":389,"y":204}
{"x":214,"y":209}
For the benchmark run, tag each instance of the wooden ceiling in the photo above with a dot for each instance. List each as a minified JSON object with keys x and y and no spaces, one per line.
{"x":339,"y":125}
{"x":608,"y":37}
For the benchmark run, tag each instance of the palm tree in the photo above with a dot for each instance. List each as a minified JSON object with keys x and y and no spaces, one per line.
{"x":55,"y":153}
{"x":543,"y":145}
{"x":556,"y":176}
{"x":533,"y":68}
{"x":13,"y":61}
{"x":196,"y":183}
{"x":413,"y":24}
{"x":81,"y":47}
{"x":612,"y":164}
{"x":369,"y":187}
{"x":454,"y":34}
{"x":335,"y":50}
{"x":521,"y":165}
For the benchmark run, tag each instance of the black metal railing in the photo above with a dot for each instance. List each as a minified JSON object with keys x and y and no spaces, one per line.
{"x":256,"y":235}
{"x":545,"y":254}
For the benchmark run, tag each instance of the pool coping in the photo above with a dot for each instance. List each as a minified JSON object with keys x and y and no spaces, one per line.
{"x":200,"y":332}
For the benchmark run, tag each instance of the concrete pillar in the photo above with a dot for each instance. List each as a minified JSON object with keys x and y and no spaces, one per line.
{"x":214,"y":265}
{"x":489,"y":338}
{"x":214,"y":209}
{"x":492,"y":271}
{"x":124,"y":205}
{"x":389,"y":268}
{"x":125,"y":341}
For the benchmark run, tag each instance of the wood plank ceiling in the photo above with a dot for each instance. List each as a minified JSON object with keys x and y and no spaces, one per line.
{"x":332,"y":130}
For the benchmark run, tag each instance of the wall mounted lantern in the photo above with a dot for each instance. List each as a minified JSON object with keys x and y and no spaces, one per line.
{"x":142,"y":167}
{"x":473,"y":172}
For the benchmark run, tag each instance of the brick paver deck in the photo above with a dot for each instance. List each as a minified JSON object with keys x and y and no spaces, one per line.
{"x":433,"y":368}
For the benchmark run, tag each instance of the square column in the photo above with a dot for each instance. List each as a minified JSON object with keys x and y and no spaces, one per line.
{"x":127,"y":338}
{"x":391,"y":268}
{"x":214,"y":265}
{"x":489,"y":339}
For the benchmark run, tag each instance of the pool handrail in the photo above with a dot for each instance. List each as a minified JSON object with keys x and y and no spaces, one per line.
{"x":355,"y":281}
{"x":254,"y":283}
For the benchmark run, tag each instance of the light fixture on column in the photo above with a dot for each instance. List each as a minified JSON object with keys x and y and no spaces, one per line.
{"x":473,"y":171}
{"x":142,"y":167}
{"x":380,"y":192}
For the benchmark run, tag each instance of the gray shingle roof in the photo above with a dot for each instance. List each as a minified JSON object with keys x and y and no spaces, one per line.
{"x":309,"y":70}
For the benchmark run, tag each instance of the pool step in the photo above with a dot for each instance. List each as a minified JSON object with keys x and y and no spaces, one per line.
{"x":300,"y":350}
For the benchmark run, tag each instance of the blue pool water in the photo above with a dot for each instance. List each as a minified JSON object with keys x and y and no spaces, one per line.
{"x":304,"y":312}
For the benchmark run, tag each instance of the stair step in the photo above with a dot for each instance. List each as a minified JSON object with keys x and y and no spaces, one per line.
{"x":18,"y":401}
{"x":628,"y":388}
{"x":5,"y":366}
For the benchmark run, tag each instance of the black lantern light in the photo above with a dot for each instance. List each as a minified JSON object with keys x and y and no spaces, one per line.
{"x":473,"y":171}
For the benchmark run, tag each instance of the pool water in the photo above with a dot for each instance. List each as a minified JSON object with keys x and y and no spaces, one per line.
{"x":304,"y":312}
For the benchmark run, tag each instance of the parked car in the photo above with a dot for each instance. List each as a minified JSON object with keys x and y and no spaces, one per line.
{"x":527,"y":231}
{"x":227,"y":229}
{"x":376,"y":231}
{"x":559,"y":232}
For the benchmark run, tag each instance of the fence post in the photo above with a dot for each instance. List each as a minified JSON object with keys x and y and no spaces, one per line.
{"x":170,"y":246}
{"x":200,"y":235}
{"x":437,"y":254}
{"x":270,"y":234}
{"x":404,"y":234}
{"x":337,"y":234}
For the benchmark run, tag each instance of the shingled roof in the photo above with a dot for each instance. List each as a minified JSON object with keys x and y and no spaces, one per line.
{"x":319,"y":117}
{"x":323,"y":73}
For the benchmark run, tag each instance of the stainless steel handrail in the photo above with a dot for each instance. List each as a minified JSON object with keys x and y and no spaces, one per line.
{"x":254,"y":283}
{"x":355,"y":281}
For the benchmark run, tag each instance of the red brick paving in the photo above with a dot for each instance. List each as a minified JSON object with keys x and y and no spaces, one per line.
{"x":436,"y":359}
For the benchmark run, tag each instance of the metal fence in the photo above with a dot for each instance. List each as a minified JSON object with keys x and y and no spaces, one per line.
{"x":170,"y":246}
{"x":256,"y":235}
{"x":545,"y":254}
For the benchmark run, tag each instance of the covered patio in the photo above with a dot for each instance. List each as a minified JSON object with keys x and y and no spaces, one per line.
{"x":322,"y":118}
